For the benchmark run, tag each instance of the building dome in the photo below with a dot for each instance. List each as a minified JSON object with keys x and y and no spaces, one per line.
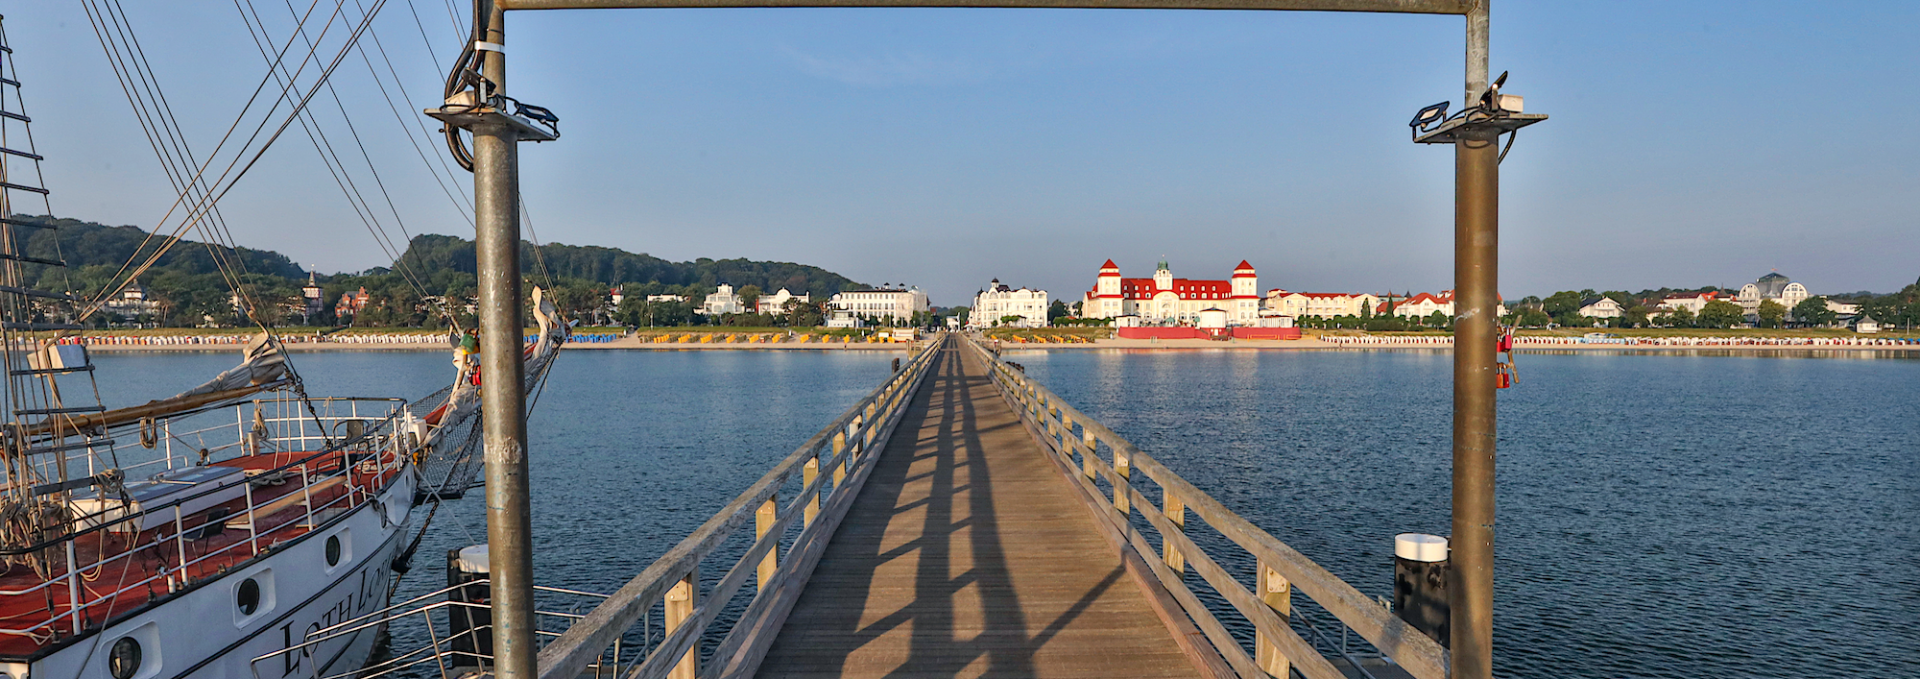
{"x":1772,"y":285}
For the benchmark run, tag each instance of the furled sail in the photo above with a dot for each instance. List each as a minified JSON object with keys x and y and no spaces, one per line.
{"x":263,"y":366}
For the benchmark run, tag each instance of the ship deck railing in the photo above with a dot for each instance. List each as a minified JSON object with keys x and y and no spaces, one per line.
{"x":325,"y":482}
{"x":445,"y":621}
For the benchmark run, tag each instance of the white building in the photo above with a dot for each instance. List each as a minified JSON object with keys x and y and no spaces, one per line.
{"x":1323,"y":304}
{"x":843,"y":319}
{"x":776,"y":303}
{"x":998,"y":301}
{"x":1601,"y":307}
{"x":1774,"y":287}
{"x":1165,"y":300}
{"x":666,"y":298}
{"x":312,"y":299}
{"x":1693,"y":302}
{"x":895,"y":303}
{"x":133,"y":304}
{"x":722,"y":301}
{"x":1425,"y":304}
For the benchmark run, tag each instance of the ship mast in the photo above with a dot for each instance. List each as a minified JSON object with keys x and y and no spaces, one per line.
{"x":40,"y":455}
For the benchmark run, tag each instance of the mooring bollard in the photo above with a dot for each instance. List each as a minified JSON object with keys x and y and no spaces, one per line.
{"x":470,"y":618}
{"x":1420,"y":570}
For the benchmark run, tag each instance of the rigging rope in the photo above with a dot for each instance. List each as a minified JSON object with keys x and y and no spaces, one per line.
{"x":197,"y":211}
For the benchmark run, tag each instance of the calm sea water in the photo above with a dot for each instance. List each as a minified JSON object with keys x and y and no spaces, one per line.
{"x":1659,"y":516}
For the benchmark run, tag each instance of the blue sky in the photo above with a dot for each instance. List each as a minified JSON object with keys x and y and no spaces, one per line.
{"x":1691,"y":143}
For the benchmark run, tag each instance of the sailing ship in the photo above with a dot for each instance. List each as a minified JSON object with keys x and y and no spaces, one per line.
{"x":191,"y":535}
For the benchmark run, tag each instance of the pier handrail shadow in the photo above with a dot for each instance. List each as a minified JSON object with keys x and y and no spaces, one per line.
{"x":846,"y":450}
{"x":1280,"y":568}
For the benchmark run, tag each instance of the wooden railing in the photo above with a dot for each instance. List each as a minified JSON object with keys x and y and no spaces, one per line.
{"x":832,"y":466}
{"x":1075,"y":441}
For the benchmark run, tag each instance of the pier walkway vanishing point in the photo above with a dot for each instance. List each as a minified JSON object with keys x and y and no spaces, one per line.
{"x":967,"y":555}
{"x":959,"y":521}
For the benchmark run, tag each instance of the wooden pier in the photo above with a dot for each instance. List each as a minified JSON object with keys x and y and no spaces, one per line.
{"x":964,"y":521}
{"x":967,"y":555}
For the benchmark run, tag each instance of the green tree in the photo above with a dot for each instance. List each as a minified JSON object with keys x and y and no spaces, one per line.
{"x":805,"y":314}
{"x":1563,"y":306}
{"x":1772,"y":314}
{"x":1720,"y":313}
{"x":1438,"y":320}
{"x":1366,"y":310}
{"x":1009,"y":319}
{"x":750,"y":297}
{"x":1056,"y":311}
{"x":1681,"y":318}
{"x":1534,"y":318}
{"x":1813,"y":311}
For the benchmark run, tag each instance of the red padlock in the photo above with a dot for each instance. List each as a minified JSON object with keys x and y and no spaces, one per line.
{"x":1502,"y":376}
{"x":1506,"y":341}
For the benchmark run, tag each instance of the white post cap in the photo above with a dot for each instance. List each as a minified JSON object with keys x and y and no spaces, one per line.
{"x":473,"y":559}
{"x":1412,"y":547}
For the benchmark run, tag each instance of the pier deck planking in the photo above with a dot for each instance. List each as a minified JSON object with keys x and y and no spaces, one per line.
{"x":967,"y":554}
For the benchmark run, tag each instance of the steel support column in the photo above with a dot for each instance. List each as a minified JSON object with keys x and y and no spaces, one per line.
{"x":1476,"y":277}
{"x":496,"y":188}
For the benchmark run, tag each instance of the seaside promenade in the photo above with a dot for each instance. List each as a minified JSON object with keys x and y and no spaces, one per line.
{"x":607,"y":341}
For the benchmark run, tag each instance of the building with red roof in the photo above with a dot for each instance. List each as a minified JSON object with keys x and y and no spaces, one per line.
{"x":1166,"y":300}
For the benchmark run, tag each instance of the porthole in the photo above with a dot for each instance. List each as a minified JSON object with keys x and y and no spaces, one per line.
{"x":333,"y":550}
{"x":248,"y":598}
{"x":124,"y":659}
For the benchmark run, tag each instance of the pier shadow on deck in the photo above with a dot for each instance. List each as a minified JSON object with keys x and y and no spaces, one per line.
{"x":967,"y":555}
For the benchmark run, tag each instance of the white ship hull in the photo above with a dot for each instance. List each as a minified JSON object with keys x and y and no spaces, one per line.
{"x":202,"y":634}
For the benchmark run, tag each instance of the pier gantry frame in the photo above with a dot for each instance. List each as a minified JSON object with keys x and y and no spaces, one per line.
{"x":1476,"y":267}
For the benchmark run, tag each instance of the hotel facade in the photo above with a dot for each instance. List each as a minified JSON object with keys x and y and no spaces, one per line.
{"x":1165,"y":300}
{"x":999,"y":301}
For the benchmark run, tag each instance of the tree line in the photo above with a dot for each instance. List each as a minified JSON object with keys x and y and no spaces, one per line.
{"x":435,"y":278}
{"x":1644,"y":310}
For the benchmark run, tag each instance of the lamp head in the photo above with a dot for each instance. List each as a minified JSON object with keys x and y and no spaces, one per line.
{"x":1490,"y":99}
{"x":1430,"y":115}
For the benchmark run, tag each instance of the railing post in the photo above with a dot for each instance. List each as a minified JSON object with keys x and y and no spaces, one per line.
{"x":306,"y":495}
{"x":808,"y":474}
{"x":867,"y":438}
{"x":180,"y":541}
{"x":763,"y":519}
{"x":73,"y":586}
{"x":1276,"y":593}
{"x":1176,"y":512}
{"x":1122,"y":470}
{"x":253,"y":533}
{"x":839,"y":470}
{"x":1088,"y":455}
{"x":679,"y":607}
